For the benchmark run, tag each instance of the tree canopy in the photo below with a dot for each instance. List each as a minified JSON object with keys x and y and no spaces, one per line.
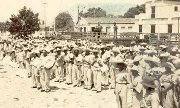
{"x":24,"y":24}
{"x":94,"y":12}
{"x":64,"y":22}
{"x":135,"y":11}
{"x":4,"y":26}
{"x":99,"y":12}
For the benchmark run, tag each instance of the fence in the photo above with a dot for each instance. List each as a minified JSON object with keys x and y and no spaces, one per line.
{"x":124,"y":38}
{"x":164,"y":39}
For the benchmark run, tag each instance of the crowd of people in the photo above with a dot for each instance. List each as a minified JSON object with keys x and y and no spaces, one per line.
{"x":141,"y":75}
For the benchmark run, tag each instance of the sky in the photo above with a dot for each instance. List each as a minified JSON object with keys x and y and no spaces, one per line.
{"x":54,"y":7}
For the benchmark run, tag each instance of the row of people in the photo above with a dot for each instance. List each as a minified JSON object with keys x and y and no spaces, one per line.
{"x":141,"y":75}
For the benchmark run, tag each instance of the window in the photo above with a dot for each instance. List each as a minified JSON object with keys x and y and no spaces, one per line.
{"x":140,"y":28}
{"x":169,"y":28}
{"x":153,"y":11}
{"x":130,"y":27}
{"x":175,"y":8}
{"x":51,"y":29}
{"x":122,"y":27}
{"x":84,"y":29}
{"x":153,"y":28}
{"x":81,"y":29}
{"x":92,"y":29}
{"x":106,"y":29}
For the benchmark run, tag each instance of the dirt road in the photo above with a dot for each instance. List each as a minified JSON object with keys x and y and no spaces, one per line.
{"x":15,"y":92}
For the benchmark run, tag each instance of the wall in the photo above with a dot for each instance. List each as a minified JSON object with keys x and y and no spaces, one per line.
{"x":164,"y":15}
{"x":121,"y":28}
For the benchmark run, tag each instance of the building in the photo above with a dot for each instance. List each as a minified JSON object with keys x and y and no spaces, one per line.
{"x":123,"y":24}
{"x":161,"y":16}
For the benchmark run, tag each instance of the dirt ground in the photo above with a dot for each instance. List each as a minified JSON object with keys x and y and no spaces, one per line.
{"x":15,"y":92}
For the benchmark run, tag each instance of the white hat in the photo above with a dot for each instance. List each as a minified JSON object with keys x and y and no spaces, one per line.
{"x":166,"y":55}
{"x":150,"y":52}
{"x":36,"y":51}
{"x":143,"y":43}
{"x":163,"y":46}
{"x":115,"y":49}
{"x":174,"y":49}
{"x":118,"y":60}
{"x":134,"y":68}
{"x":169,"y":65}
{"x":152,"y":60}
{"x":137,"y":58}
{"x":71,"y":55}
{"x":124,"y":48}
{"x":176,"y":63}
{"x":129,"y":62}
{"x":158,"y":69}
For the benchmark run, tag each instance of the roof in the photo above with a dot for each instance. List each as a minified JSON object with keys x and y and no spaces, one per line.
{"x":104,"y":20}
{"x":177,"y":2}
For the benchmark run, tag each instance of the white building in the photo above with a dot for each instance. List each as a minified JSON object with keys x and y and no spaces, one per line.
{"x":161,"y":16}
{"x":123,"y":24}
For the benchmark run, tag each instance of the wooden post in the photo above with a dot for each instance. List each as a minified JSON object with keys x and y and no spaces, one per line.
{"x":178,"y":32}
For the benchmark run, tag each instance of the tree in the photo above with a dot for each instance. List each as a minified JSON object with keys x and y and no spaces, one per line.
{"x":24,"y":24}
{"x":94,"y":12}
{"x":4,"y":26}
{"x":135,"y":11}
{"x":64,"y":22}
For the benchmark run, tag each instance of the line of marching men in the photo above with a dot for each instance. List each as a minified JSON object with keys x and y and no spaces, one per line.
{"x":141,"y":75}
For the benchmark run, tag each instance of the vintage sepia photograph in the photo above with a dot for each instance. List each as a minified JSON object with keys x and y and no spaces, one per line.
{"x":90,"y":54}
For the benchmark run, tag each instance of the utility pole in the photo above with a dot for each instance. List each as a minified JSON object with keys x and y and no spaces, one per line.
{"x":54,"y":24}
{"x":78,"y":16}
{"x":44,"y":5}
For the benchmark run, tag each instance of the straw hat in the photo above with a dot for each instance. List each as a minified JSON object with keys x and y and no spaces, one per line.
{"x":163,"y":46}
{"x":168,"y":65}
{"x":143,"y":44}
{"x":65,"y":49}
{"x":124,"y":48}
{"x":177,"y":72}
{"x":157,"y":71}
{"x":87,"y":50}
{"x":174,"y":49}
{"x":115,"y":49}
{"x":129,"y":62}
{"x":152,"y":60}
{"x":137,"y":59}
{"x":36,"y":51}
{"x":95,"y":51}
{"x":164,"y":55}
{"x":102,"y":46}
{"x":176,"y":63}
{"x":118,"y":60}
{"x":153,"y":52}
{"x":148,"y":82}
{"x":133,"y":43}
{"x":171,"y":58}
{"x":71,"y":56}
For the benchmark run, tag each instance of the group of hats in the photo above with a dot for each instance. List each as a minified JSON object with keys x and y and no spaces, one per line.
{"x":152,"y":60}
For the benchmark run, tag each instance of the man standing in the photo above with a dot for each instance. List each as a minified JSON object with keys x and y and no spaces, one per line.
{"x":96,"y":68}
{"x":60,"y":66}
{"x":87,"y":61}
{"x":122,"y":80}
{"x":47,"y":64}
{"x":115,"y":31}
